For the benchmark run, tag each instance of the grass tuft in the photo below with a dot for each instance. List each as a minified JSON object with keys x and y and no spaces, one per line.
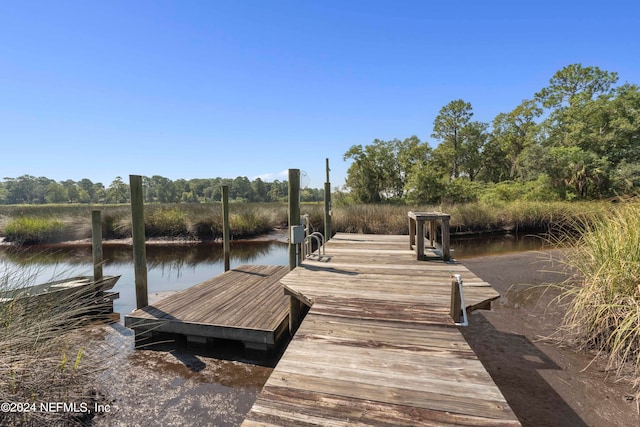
{"x":28,"y":230}
{"x":604,"y":308}
{"x":43,"y":356}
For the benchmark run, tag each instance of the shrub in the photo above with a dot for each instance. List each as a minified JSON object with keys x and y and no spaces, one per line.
{"x":166,"y":222}
{"x":30,"y":230}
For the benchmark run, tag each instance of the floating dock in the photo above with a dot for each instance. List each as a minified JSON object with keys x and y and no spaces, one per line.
{"x":378,"y":346}
{"x":246,"y":304}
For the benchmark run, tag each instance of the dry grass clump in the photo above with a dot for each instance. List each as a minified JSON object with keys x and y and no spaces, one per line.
{"x":604,"y":310}
{"x":43,"y":359}
{"x":375,"y":219}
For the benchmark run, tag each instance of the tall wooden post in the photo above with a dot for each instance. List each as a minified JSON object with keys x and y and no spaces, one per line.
{"x":96,"y":244}
{"x":327,"y":206}
{"x":294,"y":213}
{"x":139,"y":249}
{"x":225,"y":228}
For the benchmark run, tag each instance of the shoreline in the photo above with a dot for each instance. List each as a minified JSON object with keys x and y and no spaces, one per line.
{"x":546,"y":384}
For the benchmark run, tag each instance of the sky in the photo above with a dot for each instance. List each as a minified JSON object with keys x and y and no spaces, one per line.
{"x":216,"y":88}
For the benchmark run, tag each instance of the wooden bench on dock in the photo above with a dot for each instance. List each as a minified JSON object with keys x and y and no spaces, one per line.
{"x":246,"y":304}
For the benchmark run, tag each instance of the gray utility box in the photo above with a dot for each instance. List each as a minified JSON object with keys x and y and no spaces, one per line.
{"x":297,"y":234}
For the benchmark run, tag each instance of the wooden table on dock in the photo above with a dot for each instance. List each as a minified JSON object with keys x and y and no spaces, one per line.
{"x":417,"y":231}
{"x":378,"y":346}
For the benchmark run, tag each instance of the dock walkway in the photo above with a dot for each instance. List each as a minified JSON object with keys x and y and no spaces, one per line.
{"x":244,"y":304}
{"x":378,"y":346}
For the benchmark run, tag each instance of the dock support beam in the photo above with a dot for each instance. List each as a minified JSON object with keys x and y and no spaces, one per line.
{"x":225,"y":228}
{"x":96,"y":244}
{"x":139,"y":249}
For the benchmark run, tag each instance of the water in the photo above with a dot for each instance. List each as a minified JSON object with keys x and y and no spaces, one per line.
{"x":471,"y":247}
{"x":171,"y":267}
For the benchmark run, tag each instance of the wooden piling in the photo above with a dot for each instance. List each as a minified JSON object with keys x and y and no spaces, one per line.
{"x":225,"y":228}
{"x":294,"y":213}
{"x":96,"y":244}
{"x":327,"y":205}
{"x":139,"y":249}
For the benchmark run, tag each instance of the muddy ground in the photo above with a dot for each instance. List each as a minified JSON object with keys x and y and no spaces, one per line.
{"x":545,"y":385}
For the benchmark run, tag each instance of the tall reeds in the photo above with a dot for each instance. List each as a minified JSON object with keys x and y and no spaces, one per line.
{"x":195,"y":221}
{"x":604,"y":308}
{"x":45,"y":356}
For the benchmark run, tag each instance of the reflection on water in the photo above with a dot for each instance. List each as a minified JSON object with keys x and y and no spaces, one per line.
{"x":174,"y":266}
{"x":469,"y":247}
{"x":170,"y":267}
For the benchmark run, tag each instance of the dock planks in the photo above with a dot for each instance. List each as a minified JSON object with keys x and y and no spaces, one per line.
{"x":245,"y":304}
{"x":378,"y":346}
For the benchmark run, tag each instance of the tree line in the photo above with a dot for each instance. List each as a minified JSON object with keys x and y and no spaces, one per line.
{"x":28,"y":189}
{"x":577,"y":138}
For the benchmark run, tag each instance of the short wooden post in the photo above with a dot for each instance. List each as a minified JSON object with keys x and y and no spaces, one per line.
{"x":96,"y":244}
{"x":294,"y":213}
{"x":327,"y":206}
{"x":456,"y":301}
{"x":139,"y":249}
{"x":225,"y":228}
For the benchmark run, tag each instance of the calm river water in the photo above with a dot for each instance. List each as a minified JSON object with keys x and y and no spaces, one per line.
{"x":176,"y":266}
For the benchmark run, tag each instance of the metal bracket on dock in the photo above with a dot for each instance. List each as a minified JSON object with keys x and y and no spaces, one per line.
{"x":457,"y":302}
{"x":307,"y":247}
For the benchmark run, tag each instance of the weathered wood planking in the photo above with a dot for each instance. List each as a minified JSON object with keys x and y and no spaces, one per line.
{"x":245,"y":304}
{"x":378,"y":346}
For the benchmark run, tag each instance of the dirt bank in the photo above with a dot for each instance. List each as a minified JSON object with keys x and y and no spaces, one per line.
{"x":545,"y":385}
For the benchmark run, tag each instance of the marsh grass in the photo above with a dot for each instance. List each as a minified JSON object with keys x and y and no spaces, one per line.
{"x":204,"y":221}
{"x":29,"y":230}
{"x":604,"y":308}
{"x":44,"y":354}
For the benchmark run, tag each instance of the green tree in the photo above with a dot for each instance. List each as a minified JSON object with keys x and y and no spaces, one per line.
{"x":447,"y":128}
{"x":575,"y":84}
{"x":474,"y":137}
{"x":381,"y":170}
{"x":118,"y":191}
{"x":56,"y":193}
{"x":514,"y":132}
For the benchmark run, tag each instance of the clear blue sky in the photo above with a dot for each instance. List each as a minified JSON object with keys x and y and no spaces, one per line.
{"x":201,"y":89}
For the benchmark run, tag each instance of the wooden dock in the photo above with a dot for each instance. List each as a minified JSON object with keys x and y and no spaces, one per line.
{"x":378,"y":346}
{"x":246,"y":304}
